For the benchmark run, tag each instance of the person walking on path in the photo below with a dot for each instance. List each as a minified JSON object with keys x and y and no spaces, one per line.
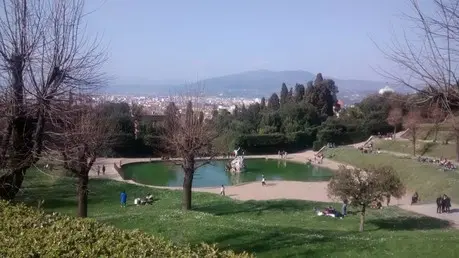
{"x":222,"y":190}
{"x":263,"y":181}
{"x":98,"y":170}
{"x":103,"y":169}
{"x":123,"y":199}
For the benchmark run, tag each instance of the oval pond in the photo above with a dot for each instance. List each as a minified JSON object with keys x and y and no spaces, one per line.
{"x":214,"y":174}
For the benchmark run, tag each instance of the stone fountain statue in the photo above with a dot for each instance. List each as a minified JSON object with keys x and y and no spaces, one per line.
{"x":237,"y":164}
{"x":236,"y":152}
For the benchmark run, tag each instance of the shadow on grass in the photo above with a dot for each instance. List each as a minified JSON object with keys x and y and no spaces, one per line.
{"x":230,"y":207}
{"x":411,"y":223}
{"x":307,"y":242}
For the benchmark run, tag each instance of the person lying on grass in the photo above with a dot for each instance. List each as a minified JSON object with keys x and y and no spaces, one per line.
{"x":330,"y":212}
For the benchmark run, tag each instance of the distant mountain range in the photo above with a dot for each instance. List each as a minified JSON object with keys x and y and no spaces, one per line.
{"x":257,"y":83}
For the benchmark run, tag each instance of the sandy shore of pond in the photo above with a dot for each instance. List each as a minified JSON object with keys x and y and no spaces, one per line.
{"x":313,"y":191}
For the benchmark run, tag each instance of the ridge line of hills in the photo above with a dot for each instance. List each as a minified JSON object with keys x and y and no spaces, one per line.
{"x":250,"y":84}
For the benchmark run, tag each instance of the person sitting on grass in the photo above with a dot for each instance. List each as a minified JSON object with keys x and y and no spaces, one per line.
{"x":415,"y":198}
{"x":149,"y":198}
{"x":123,"y":197}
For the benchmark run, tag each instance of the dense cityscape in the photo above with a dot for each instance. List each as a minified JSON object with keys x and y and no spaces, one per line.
{"x":155,"y":105}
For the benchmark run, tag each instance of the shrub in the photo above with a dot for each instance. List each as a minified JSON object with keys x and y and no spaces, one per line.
{"x":272,"y":143}
{"x":300,"y":140}
{"x":27,"y":232}
{"x":265,"y":143}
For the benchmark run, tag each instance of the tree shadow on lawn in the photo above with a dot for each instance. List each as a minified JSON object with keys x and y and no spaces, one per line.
{"x":410,"y":223}
{"x":231,"y":208}
{"x":290,"y":241}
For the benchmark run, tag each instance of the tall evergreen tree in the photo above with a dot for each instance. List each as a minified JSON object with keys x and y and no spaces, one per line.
{"x":263,"y":103}
{"x":273,"y":102}
{"x":290,"y":95}
{"x":284,"y":94}
{"x":319,"y":79}
{"x":299,"y":92}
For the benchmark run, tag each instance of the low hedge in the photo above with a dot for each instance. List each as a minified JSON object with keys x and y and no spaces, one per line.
{"x":272,"y":143}
{"x":28,"y":232}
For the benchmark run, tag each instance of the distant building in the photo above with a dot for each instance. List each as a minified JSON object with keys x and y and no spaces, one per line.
{"x":386,"y":89}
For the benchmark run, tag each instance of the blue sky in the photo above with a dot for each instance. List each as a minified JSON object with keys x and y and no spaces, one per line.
{"x":172,"y":40}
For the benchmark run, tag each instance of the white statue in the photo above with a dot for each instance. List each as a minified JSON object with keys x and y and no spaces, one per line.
{"x":237,"y":165}
{"x":236,"y":152}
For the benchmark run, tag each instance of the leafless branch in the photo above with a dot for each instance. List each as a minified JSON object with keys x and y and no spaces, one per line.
{"x":47,"y":63}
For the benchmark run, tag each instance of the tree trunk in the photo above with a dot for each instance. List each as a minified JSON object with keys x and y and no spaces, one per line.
{"x":457,"y":146}
{"x":435,"y":133}
{"x":362,"y":218}
{"x":83,"y":180}
{"x":187,"y":186}
{"x":395,"y":132}
{"x":11,"y":183}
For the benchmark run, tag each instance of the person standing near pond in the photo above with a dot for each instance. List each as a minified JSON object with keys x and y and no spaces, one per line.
{"x":222,"y":190}
{"x":123,"y":199}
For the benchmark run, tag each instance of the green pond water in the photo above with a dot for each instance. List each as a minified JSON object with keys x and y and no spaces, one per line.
{"x":214,"y":174}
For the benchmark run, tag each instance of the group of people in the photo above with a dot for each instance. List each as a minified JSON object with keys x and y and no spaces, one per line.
{"x":332,"y":212}
{"x":137,"y":201}
{"x":318,"y":158}
{"x":367,"y":148}
{"x":443,"y":204}
{"x":282,"y":154}
{"x":103,"y":170}
{"x":442,"y":162}
{"x":143,"y":201}
{"x":329,"y":211}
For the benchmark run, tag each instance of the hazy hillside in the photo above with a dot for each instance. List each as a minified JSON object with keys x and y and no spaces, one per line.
{"x":254,"y":84}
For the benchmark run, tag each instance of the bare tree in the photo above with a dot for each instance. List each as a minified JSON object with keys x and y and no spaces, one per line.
{"x":395,"y":118}
{"x":411,"y":122}
{"x":188,"y":136}
{"x":362,"y":187}
{"x":427,"y":59}
{"x":44,"y":56}
{"x":82,"y":137}
{"x":437,"y":115}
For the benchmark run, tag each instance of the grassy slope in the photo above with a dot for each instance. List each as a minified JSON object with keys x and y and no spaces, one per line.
{"x":427,"y":179}
{"x":268,"y":228}
{"x":427,"y":132}
{"x":428,"y":149}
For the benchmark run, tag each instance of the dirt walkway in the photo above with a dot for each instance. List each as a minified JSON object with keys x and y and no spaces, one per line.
{"x":311,"y":191}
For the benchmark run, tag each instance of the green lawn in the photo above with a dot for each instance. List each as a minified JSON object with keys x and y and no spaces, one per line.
{"x":429,"y":149}
{"x":427,"y":179}
{"x":427,"y":132}
{"x":267,"y":228}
